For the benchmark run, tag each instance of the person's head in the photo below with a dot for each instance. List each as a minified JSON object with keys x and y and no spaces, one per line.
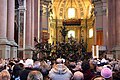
{"x":16,"y":70}
{"x":5,"y":75}
{"x":99,"y":68}
{"x":29,"y":63}
{"x":98,"y":78}
{"x":106,"y":73}
{"x":36,"y":64}
{"x":85,"y":65}
{"x":35,"y":75}
{"x":59,"y":61}
{"x":78,"y":76}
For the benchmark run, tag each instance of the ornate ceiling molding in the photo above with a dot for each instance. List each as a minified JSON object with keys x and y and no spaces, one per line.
{"x":60,"y":7}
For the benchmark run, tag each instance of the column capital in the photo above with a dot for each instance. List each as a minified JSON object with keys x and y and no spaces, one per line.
{"x":98,"y":1}
{"x":100,"y":7}
{"x":104,"y":1}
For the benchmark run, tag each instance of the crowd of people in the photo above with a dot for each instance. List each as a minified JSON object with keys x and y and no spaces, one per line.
{"x":59,"y":69}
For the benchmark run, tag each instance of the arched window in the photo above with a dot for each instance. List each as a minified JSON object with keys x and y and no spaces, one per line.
{"x":71,"y":33}
{"x":71,"y":13}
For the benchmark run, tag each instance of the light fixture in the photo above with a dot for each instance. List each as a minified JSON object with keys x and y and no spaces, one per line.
{"x":95,"y":51}
{"x":91,"y":33}
{"x":71,"y":12}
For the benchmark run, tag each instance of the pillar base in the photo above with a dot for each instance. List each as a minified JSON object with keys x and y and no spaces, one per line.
{"x":4,"y":41}
{"x":28,"y":52}
{"x":13,"y":52}
{"x":116,"y":51}
{"x":13,"y":43}
{"x":4,"y":49}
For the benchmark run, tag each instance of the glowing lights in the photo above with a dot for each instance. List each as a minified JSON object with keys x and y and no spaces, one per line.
{"x":95,"y":51}
{"x":71,"y":33}
{"x":91,"y":33}
{"x":71,"y":13}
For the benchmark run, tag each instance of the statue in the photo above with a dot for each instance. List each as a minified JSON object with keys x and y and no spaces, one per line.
{"x":64,"y":32}
{"x":40,"y":47}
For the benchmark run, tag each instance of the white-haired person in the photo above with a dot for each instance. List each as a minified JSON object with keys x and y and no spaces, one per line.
{"x":60,"y":71}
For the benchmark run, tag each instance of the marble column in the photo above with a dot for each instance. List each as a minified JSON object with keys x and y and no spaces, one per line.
{"x":10,"y":28}
{"x":101,"y":22}
{"x":111,"y":24}
{"x":98,"y":23}
{"x":28,"y":46}
{"x":105,"y":22}
{"x":117,"y":22}
{"x":32,"y":29}
{"x":4,"y":43}
{"x":32,"y":26}
{"x":41,"y":20}
{"x":117,"y":28}
{"x":36,"y":21}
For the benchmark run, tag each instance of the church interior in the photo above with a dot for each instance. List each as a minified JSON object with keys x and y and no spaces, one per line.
{"x":59,"y":39}
{"x":91,"y":23}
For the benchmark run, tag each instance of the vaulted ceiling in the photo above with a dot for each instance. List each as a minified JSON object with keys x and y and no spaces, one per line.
{"x":82,"y":7}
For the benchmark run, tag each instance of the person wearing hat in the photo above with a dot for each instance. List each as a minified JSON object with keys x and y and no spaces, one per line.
{"x":106,"y":73}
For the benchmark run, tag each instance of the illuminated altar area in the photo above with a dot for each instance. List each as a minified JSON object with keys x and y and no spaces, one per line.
{"x":78,"y":18}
